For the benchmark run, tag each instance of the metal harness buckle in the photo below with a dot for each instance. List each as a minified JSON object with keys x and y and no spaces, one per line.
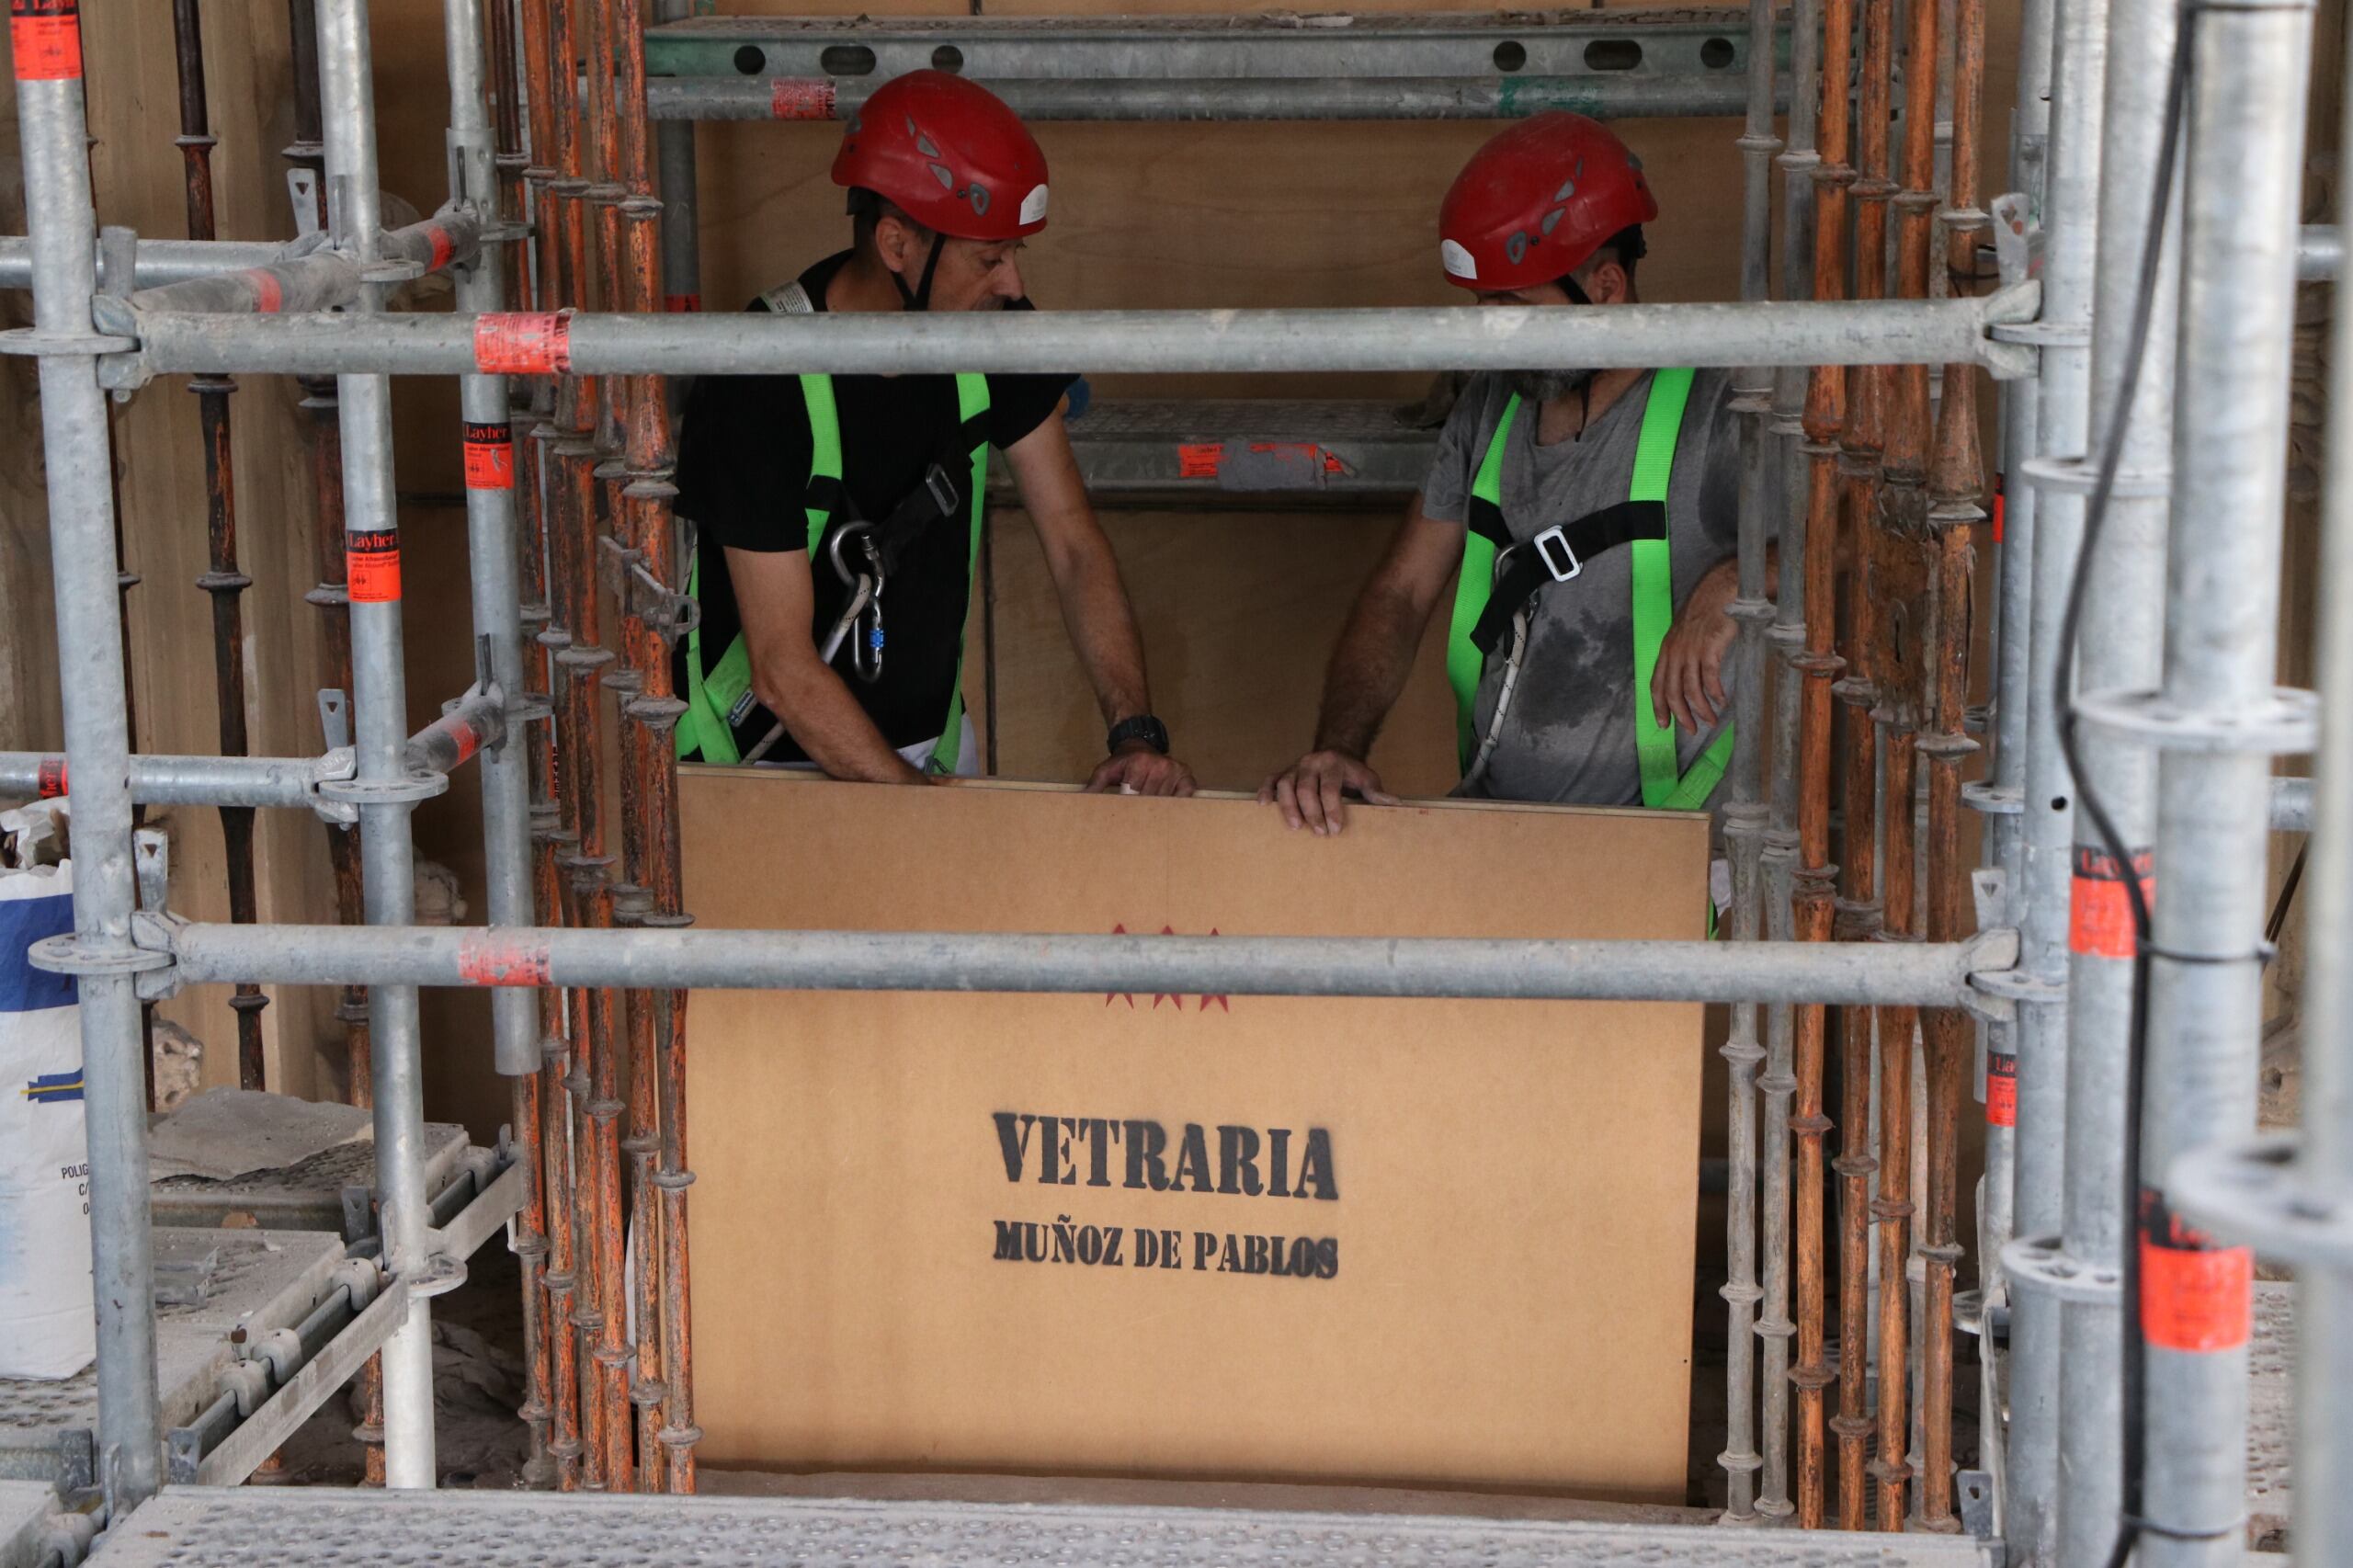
{"x":1552,"y":547}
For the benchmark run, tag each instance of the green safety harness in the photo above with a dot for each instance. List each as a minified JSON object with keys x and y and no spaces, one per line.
{"x":720,"y":698}
{"x":1498,"y":578}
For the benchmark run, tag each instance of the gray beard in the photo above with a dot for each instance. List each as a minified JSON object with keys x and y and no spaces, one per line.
{"x":1542,"y":386}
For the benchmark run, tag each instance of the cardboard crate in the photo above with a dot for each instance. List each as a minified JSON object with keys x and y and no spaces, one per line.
{"x":1398,"y":1242}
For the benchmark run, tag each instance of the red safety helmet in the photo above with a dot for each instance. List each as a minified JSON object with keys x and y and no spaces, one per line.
{"x":1535,"y":203}
{"x":948,"y":154}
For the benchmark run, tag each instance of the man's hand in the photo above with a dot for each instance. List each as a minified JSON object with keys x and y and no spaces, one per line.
{"x":1687,"y":684}
{"x":1137,"y":770}
{"x":1311,"y":790}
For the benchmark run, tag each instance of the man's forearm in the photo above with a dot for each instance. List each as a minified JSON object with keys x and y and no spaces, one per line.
{"x":1102,"y":630}
{"x":825,"y":718}
{"x":1367,"y":671}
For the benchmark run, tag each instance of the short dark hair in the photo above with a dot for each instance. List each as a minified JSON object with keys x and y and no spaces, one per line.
{"x":867,"y":209}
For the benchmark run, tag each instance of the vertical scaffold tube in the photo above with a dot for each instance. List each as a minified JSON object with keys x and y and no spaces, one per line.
{"x":2323,"y":1525}
{"x":2241,"y":190}
{"x":77,"y":458}
{"x":535,"y":480}
{"x":2070,"y":209}
{"x":221,"y":579}
{"x":1743,"y":822}
{"x":667,"y":1433}
{"x":1787,"y":633}
{"x":372,"y":545}
{"x":489,"y":468}
{"x":2119,"y":644}
{"x":1805,"y":786}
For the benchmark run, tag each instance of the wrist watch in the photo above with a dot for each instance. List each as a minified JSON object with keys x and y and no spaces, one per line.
{"x":1140,"y":727}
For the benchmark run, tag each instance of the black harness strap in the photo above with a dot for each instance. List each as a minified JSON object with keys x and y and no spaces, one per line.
{"x":1555,"y":556}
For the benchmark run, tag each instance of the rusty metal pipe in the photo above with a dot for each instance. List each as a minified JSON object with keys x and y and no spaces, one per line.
{"x":1818,"y":667}
{"x":221,"y":579}
{"x":1892,"y":1209}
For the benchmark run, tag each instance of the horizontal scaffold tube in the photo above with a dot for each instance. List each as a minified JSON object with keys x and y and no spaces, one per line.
{"x":471,"y":722}
{"x":322,"y":281}
{"x":1923,"y":973}
{"x":1872,"y":332}
{"x":1262,"y":98}
{"x":159,"y":261}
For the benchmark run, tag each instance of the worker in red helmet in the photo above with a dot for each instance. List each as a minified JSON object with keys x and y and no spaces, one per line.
{"x":1588,"y":515}
{"x":838,"y":517}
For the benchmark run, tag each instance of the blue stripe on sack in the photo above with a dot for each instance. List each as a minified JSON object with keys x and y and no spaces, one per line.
{"x":23,"y":922}
{"x":51,"y":1087}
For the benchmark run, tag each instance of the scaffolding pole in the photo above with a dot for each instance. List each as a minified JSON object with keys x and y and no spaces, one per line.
{"x":2218,"y":723}
{"x":384,"y":789}
{"x":1742,"y":823}
{"x":53,"y":132}
{"x":1633,"y":337}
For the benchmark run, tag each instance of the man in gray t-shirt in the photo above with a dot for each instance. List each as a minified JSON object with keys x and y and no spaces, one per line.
{"x":1550,"y":213}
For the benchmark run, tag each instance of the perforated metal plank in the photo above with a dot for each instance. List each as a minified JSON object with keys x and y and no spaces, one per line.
{"x":1250,"y":446}
{"x":2271,"y":1407}
{"x":23,"y":1505}
{"x":305,"y":1195}
{"x":263,"y":1279}
{"x":202,"y":1527}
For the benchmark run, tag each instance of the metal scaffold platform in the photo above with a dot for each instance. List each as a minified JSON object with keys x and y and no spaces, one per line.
{"x":310,"y":1194}
{"x":25,"y":1507}
{"x":202,"y":1527}
{"x":209,"y":1285}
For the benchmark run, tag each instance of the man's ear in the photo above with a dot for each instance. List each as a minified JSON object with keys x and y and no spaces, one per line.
{"x":1609,"y":285}
{"x":895,"y":243}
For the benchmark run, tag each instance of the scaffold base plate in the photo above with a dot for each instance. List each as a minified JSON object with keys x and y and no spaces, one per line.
{"x":261,"y":1278}
{"x":211,"y":1527}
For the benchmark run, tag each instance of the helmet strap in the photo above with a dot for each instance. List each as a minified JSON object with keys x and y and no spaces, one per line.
{"x":1575,"y":290}
{"x":919,"y":297}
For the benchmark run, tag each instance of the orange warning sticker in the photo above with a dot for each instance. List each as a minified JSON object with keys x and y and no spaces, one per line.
{"x":490,"y":958}
{"x":2001,"y":1090}
{"x":524,"y":343}
{"x":371,"y":565}
{"x":2195,"y":1296}
{"x":49,"y":778}
{"x":2101,"y":912}
{"x":46,"y":37}
{"x":1200,"y":461}
{"x":792,"y":99}
{"x":443,"y":247}
{"x":681,"y":305}
{"x":1997,"y":508}
{"x":490,"y":456}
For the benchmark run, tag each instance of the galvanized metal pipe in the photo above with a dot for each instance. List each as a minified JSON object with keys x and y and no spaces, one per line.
{"x":2323,"y":1525}
{"x":489,"y":467}
{"x":324,"y":280}
{"x":52,"y":132}
{"x":1918,"y":974}
{"x":155,"y":263}
{"x":2045,"y":843}
{"x":1924,"y":332}
{"x":371,"y":537}
{"x":2241,"y":193}
{"x":2320,"y":251}
{"x":1267,"y":98}
{"x":674,"y":153}
{"x":2118,"y":645}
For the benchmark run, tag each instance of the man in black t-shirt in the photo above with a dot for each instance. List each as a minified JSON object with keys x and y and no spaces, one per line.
{"x":805,"y":488}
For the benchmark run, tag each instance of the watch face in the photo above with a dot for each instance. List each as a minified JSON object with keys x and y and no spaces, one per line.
{"x":1142,"y":727}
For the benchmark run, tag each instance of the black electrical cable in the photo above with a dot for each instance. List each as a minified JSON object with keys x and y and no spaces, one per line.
{"x":2134,"y":1388}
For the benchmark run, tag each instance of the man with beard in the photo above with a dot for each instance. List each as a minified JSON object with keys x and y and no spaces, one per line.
{"x":1589,"y":518}
{"x":839,"y":517}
